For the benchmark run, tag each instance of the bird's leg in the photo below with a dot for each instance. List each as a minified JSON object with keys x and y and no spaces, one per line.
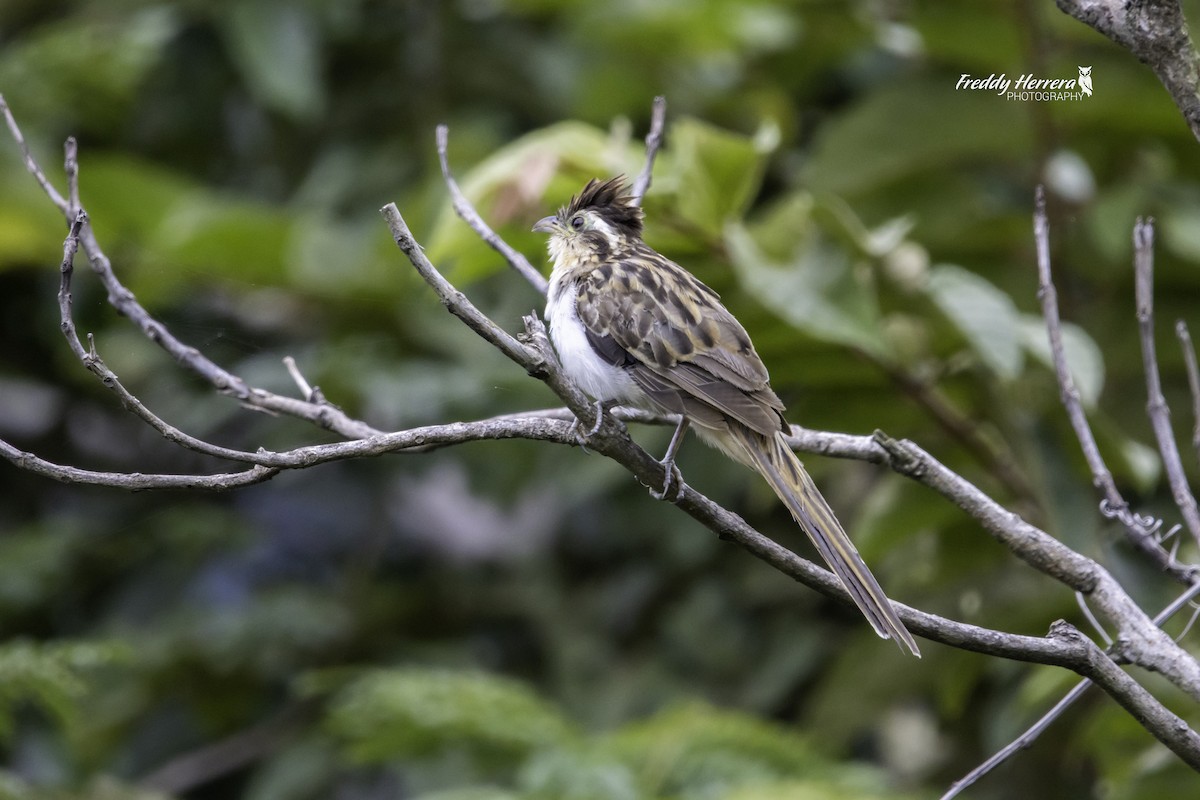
{"x":674,"y":477}
{"x":581,"y":437}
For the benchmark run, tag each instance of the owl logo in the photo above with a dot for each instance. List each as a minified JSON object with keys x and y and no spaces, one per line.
{"x":1085,"y":80}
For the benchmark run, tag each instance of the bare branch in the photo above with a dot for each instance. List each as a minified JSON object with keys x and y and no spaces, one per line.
{"x":133,"y":481}
{"x":325,"y":415}
{"x":31,"y":164}
{"x":1138,"y":639}
{"x":1034,"y":731}
{"x":1141,"y":641}
{"x":468,"y":214}
{"x":658,"y":117}
{"x":1193,"y":378}
{"x":1156,"y":404}
{"x":1138,"y":530}
{"x":455,"y":301}
{"x":93,"y":363}
{"x":1157,"y":33}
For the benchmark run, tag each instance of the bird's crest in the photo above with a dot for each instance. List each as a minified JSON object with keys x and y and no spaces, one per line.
{"x":609,"y":200}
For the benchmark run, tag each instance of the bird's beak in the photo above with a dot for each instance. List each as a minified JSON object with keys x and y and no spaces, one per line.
{"x":545,"y":225}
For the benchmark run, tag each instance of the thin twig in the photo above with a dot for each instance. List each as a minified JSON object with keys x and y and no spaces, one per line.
{"x":31,"y":164}
{"x":1091,"y":618}
{"x":468,"y":214}
{"x":1193,"y":378}
{"x":133,"y":481}
{"x":1113,"y":504}
{"x":654,"y":137}
{"x":455,"y":301}
{"x":1156,"y":404}
{"x":1020,"y":743}
{"x":325,"y":415}
{"x":93,"y":363}
{"x":1034,"y":731}
{"x":71,"y":169}
{"x":297,"y":377}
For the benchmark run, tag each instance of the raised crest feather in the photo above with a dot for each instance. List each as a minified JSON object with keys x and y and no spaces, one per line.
{"x":608,"y":199}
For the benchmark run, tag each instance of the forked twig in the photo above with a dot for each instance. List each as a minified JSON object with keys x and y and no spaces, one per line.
{"x":1156,"y":404}
{"x":658,"y":117}
{"x":1139,"y":534}
{"x":468,"y":214}
{"x":1077,"y":691}
{"x":124,"y":301}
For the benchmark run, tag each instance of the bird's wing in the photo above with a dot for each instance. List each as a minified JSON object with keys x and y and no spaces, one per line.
{"x":680,"y":344}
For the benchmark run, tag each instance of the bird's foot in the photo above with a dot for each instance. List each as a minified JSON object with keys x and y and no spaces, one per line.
{"x":672,"y":482}
{"x":582,"y":437}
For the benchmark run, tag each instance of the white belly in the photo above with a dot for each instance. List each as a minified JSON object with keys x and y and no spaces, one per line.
{"x":595,"y":376}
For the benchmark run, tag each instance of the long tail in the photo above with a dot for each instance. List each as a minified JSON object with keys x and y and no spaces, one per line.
{"x":772,"y":457}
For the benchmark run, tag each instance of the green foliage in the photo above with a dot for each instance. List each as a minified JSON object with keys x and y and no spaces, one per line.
{"x":13,"y":788}
{"x":389,"y":714}
{"x":50,"y":677}
{"x":689,"y":752}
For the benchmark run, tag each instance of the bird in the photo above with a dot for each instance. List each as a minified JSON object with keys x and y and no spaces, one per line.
{"x":632,"y":327}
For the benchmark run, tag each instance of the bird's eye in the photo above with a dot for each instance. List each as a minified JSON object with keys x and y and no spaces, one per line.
{"x":577,"y":222}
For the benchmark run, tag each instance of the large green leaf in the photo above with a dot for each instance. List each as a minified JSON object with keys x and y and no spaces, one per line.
{"x":85,"y":66}
{"x":716,"y":172}
{"x":911,"y":127}
{"x":277,"y":47}
{"x":518,"y":184}
{"x":816,"y":288}
{"x":985,"y":315}
{"x":1084,"y":359}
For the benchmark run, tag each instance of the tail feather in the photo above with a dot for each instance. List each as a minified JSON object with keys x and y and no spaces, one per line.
{"x":771,"y":456}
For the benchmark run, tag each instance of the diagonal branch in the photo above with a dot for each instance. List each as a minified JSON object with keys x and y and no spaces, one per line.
{"x":1139,"y":530}
{"x":658,"y":118}
{"x":1156,"y":404}
{"x":1070,"y":698}
{"x":468,"y":214}
{"x":325,"y":415}
{"x":1157,"y":33}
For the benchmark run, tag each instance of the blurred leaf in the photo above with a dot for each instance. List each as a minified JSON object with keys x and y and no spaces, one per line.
{"x":909,"y":127}
{"x":33,"y":563}
{"x":716,"y":172}
{"x":570,"y":775}
{"x":393,"y":713}
{"x":509,"y":186}
{"x":474,"y":793}
{"x":277,"y":47}
{"x":90,"y":66}
{"x":1143,"y":463}
{"x":986,"y":316}
{"x":695,"y":746}
{"x":100,"y":788}
{"x":1084,"y":359}
{"x":51,"y":676}
{"x":815,"y":288}
{"x":874,"y":242}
